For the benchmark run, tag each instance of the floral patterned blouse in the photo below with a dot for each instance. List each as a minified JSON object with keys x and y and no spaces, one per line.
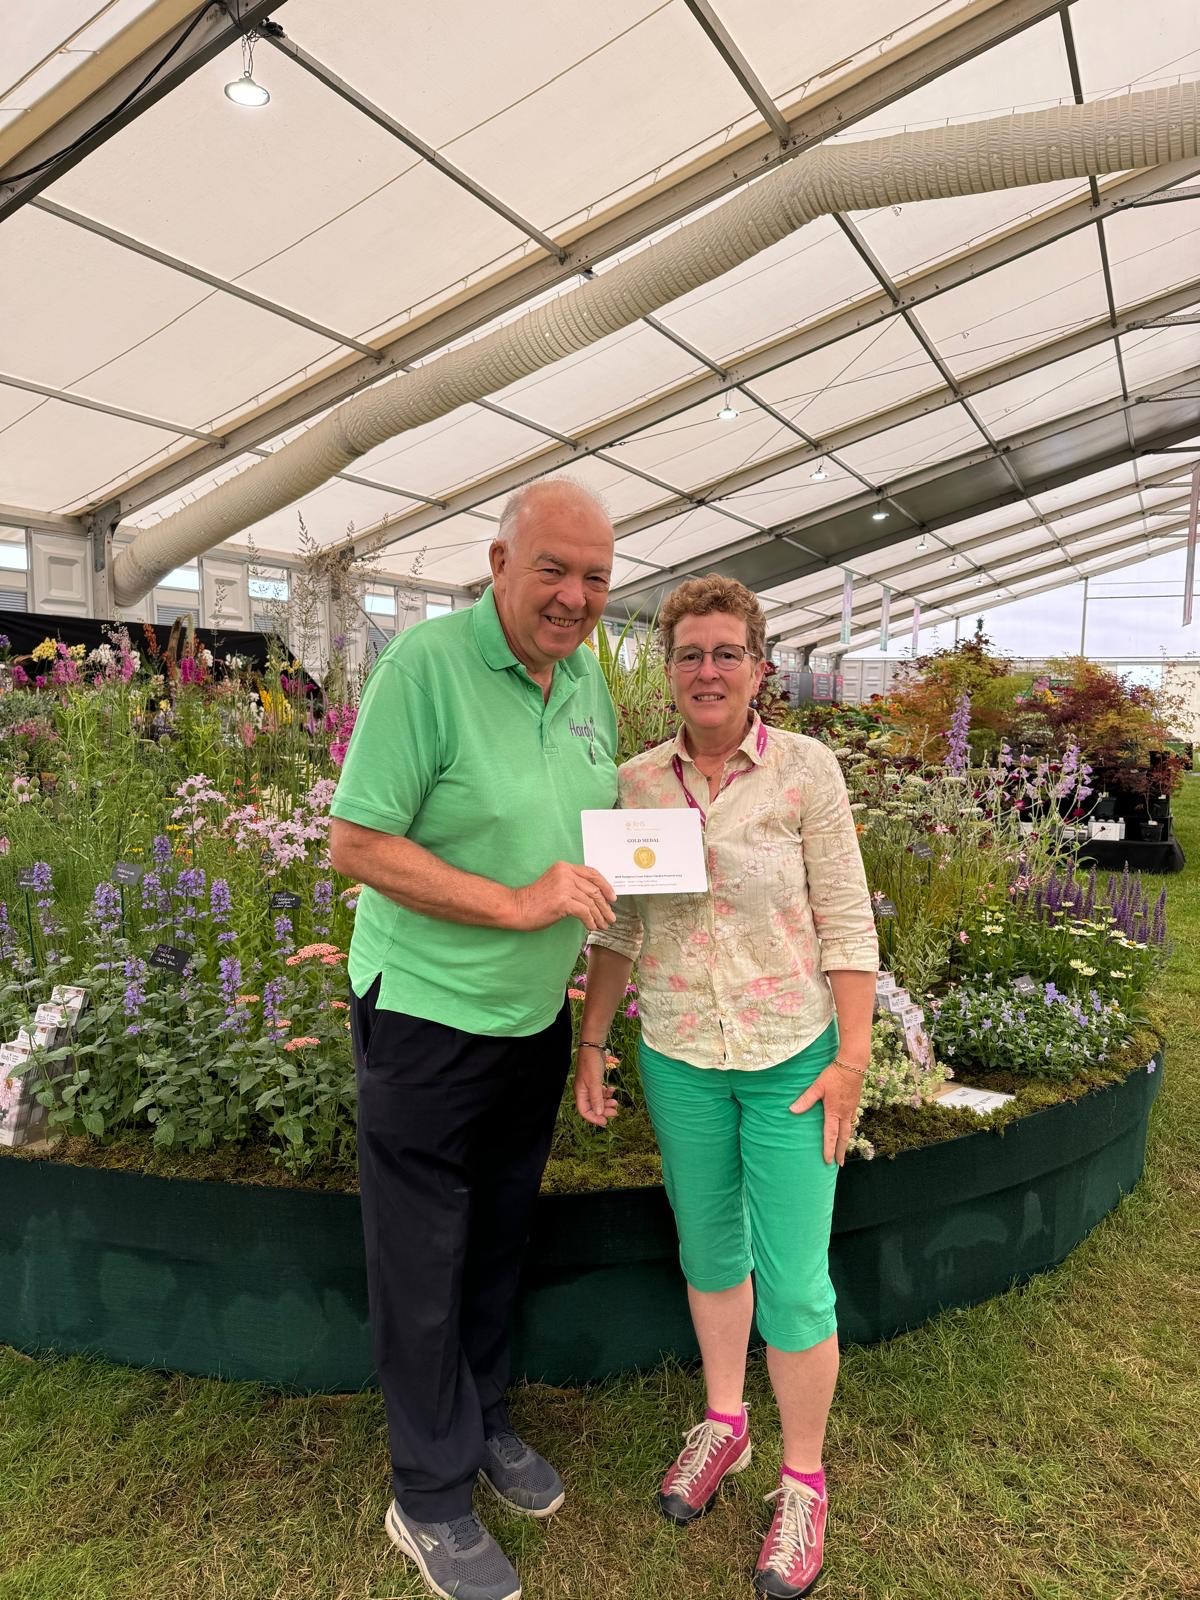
{"x":735,"y":977}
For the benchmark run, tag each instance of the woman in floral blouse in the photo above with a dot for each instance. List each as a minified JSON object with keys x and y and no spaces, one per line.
{"x":756,"y":1001}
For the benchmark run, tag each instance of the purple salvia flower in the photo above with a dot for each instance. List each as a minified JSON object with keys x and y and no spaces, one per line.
{"x":1158,"y":928}
{"x":161,"y":849}
{"x":283,"y":931}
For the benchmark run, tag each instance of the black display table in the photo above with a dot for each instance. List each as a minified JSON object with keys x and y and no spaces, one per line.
{"x":1139,"y":855}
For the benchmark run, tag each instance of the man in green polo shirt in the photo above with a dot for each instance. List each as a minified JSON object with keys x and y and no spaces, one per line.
{"x":481,"y":737}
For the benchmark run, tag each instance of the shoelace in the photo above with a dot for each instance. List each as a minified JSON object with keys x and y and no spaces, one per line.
{"x":508,"y":1447}
{"x":698,"y":1445}
{"x":796,"y":1532}
{"x":464,"y":1532}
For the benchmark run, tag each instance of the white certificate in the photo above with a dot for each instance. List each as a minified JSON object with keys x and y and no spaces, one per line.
{"x":647,"y":852}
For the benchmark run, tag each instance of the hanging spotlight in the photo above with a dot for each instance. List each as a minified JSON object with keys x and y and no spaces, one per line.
{"x":244,"y":91}
{"x":879,"y":515}
{"x":953,"y":563}
{"x":820,"y":474}
{"x":979,"y":580}
{"x":728,"y":412}
{"x":922,"y":544}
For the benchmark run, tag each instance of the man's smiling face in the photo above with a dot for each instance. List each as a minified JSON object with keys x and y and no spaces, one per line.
{"x":551,"y":574}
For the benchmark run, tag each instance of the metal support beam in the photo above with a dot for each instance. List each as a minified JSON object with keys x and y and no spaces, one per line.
{"x":936,"y":600}
{"x":607,"y":435}
{"x":780,"y":618}
{"x":820,"y":114}
{"x":100,"y":526}
{"x":48,"y":392}
{"x":740,"y":67}
{"x":1046,"y":588}
{"x":383,"y":119}
{"x":120,"y":100}
{"x":902,"y":486}
{"x":39,"y":521}
{"x":190,"y":270}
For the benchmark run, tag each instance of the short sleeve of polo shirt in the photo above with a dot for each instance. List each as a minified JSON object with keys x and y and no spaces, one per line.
{"x":394,"y":756}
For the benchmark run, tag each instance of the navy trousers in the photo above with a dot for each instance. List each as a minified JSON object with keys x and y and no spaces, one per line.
{"x":454,"y":1130}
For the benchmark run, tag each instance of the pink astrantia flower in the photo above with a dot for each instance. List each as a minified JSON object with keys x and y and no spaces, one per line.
{"x":301,"y":1044}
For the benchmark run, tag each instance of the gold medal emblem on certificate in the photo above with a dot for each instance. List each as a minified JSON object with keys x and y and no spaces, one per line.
{"x":644,"y":857}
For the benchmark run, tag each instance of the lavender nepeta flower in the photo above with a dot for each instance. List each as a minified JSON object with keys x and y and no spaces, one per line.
{"x":220,"y":904}
{"x":283,"y":931}
{"x":322,"y":901}
{"x":43,"y":877}
{"x":161,"y":849}
{"x":272,"y":1003}
{"x":106,"y":909}
{"x":191,"y":883}
{"x":231,"y":984}
{"x":135,"y":995}
{"x":958,"y":749}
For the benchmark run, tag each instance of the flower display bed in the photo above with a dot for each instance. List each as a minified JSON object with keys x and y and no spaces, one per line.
{"x":264,"y":1283}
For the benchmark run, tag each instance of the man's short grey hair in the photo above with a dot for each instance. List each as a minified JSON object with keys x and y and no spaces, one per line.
{"x":516,"y":501}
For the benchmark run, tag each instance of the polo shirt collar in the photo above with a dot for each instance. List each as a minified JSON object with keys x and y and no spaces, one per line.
{"x":664,"y":754}
{"x":494,"y":647}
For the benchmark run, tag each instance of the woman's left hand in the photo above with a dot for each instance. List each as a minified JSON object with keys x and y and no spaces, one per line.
{"x":839,"y":1089}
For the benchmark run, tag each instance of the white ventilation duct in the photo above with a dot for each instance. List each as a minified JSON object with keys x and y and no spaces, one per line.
{"x":1116,"y":135}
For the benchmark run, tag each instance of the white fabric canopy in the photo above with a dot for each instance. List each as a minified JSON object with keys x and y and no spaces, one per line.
{"x":980,"y":370}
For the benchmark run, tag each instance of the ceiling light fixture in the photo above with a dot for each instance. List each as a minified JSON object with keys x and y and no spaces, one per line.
{"x":244,"y":91}
{"x":953,"y":563}
{"x":728,"y":412}
{"x":879,"y":516}
{"x":820,"y":474}
{"x":922,"y":544}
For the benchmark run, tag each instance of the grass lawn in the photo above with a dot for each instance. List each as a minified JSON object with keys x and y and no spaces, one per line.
{"x":1045,"y":1446}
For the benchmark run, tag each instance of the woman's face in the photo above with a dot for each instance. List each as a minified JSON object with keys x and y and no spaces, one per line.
{"x":712,"y":700}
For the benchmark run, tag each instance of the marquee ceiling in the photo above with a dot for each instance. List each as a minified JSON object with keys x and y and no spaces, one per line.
{"x":966,"y":400}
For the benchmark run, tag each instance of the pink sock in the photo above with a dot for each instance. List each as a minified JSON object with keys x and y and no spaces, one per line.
{"x":737,"y":1423}
{"x":814,"y":1480}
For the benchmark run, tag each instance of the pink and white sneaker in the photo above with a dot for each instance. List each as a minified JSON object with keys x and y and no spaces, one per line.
{"x":711,"y":1451}
{"x":789,"y":1563}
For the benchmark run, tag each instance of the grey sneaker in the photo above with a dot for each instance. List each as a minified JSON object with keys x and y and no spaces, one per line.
{"x":522,"y":1478}
{"x":459,"y":1560}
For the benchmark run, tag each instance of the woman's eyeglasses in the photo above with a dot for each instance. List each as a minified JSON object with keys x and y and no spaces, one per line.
{"x":726,"y":657}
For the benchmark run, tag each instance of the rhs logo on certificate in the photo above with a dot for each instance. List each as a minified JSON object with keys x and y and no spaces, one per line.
{"x":647,"y":852}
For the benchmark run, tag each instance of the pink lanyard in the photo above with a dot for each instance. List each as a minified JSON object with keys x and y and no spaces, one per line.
{"x":760,"y":744}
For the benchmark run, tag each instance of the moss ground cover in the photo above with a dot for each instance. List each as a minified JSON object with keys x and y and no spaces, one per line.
{"x":1040,"y":1447}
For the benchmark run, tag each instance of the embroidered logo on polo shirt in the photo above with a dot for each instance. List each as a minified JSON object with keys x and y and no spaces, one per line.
{"x":586,"y":730}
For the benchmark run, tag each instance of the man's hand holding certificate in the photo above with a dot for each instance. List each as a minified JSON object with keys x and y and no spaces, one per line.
{"x":647,"y":852}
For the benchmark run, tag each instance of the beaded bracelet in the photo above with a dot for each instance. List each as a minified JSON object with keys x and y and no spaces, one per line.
{"x":590,"y":1044}
{"x":846,"y":1067}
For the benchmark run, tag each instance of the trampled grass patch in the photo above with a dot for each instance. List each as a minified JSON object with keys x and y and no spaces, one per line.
{"x":1045,"y":1446}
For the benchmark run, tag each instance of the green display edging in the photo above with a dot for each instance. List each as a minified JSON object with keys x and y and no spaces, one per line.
{"x":236,"y":1281}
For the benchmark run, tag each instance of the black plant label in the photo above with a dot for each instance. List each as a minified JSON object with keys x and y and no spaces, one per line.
{"x":170,"y":957}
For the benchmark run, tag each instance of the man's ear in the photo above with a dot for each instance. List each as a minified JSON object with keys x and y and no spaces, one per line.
{"x":498,"y":557}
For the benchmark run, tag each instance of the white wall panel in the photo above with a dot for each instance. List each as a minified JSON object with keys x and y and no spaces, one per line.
{"x":59,"y":574}
{"x":224,"y":582}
